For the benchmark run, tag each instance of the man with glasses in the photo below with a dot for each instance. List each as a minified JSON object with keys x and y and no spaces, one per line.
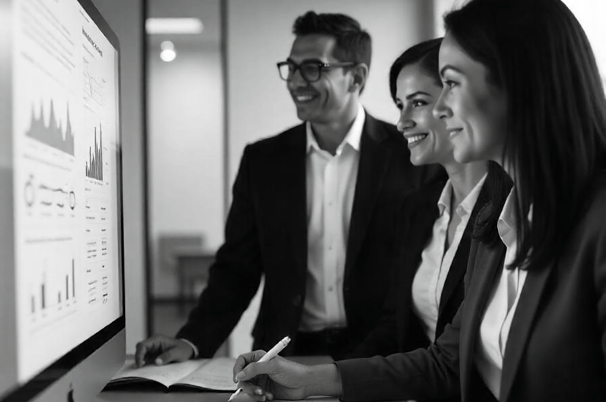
{"x":313,"y":212}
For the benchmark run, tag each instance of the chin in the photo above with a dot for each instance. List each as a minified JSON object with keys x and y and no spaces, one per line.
{"x":302,"y":115}
{"x":417,"y":161}
{"x":462,"y":157}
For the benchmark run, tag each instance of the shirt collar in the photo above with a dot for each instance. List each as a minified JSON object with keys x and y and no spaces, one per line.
{"x":445,"y":198}
{"x":506,"y":225}
{"x":466,"y":206}
{"x":353,"y":136}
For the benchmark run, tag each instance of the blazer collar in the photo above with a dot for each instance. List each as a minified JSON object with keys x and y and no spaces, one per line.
{"x":374,"y":160}
{"x":521,"y":325}
{"x":294,"y":183}
{"x":375,"y":157}
{"x":487,"y":263}
{"x":459,"y":263}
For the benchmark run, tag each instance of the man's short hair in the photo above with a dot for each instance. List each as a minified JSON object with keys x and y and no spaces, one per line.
{"x":353,"y":42}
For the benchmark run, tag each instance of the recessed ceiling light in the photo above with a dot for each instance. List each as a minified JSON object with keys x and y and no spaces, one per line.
{"x":173,"y":26}
{"x":168,"y":52}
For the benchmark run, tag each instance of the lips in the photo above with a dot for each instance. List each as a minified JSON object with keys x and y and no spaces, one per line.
{"x":304,"y":98}
{"x":453,"y":131}
{"x":415,"y":138}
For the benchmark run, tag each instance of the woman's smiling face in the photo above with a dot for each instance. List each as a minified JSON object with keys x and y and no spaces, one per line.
{"x":473,"y":108}
{"x":416,"y":94}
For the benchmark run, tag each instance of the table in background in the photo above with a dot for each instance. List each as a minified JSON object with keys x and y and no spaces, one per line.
{"x":192,"y":267}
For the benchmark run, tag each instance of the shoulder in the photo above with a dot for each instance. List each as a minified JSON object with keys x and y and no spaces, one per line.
{"x":585,"y":248}
{"x":380,"y":130}
{"x":290,"y":138}
{"x":588,"y":237}
{"x":426,"y":197}
{"x":419,"y":208}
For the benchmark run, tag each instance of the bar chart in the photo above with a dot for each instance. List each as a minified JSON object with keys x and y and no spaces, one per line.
{"x":94,"y":165}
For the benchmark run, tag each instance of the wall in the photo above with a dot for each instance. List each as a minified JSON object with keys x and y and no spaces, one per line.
{"x":186,"y":150}
{"x":126,"y":19}
{"x":442,"y":7}
{"x":186,"y":135}
{"x":590,"y":14}
{"x":258,"y":34}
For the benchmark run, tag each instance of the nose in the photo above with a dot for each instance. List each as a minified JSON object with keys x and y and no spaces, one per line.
{"x":441,"y":110}
{"x":404,"y":122}
{"x":296,"y":80}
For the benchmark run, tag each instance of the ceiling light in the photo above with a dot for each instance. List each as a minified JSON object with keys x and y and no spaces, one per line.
{"x":168,"y":52}
{"x":173,"y":26}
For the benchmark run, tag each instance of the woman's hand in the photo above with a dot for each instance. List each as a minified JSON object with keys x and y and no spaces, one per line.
{"x":278,"y":378}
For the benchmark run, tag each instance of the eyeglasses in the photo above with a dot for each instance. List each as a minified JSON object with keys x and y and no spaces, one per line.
{"x":311,"y":70}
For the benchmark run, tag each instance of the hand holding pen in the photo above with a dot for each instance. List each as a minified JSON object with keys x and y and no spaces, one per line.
{"x":273,"y":377}
{"x":263,"y":381}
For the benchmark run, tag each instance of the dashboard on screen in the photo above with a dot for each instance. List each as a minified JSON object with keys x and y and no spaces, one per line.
{"x":65,"y":181}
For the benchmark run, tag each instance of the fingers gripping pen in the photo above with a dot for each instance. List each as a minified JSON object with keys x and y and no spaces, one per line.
{"x":273,"y":352}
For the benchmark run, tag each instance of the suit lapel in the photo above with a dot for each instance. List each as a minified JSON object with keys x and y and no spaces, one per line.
{"x":488,"y":263}
{"x":459,"y":263}
{"x":456,"y":271}
{"x":521,"y":326}
{"x":295,"y":196}
{"x":374,"y":159}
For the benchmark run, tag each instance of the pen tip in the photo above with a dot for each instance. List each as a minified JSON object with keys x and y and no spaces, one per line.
{"x":234,"y":394}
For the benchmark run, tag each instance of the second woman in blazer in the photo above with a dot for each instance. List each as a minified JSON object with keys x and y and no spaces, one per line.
{"x":435,"y":224}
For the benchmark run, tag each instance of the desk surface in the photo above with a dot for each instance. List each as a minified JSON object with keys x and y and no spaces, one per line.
{"x":158,"y":396}
{"x":191,"y":396}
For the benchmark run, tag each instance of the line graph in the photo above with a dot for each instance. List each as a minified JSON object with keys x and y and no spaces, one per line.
{"x":93,"y":89}
{"x":52,"y":134}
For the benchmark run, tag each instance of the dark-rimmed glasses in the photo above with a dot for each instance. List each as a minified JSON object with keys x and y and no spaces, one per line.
{"x":311,"y":70}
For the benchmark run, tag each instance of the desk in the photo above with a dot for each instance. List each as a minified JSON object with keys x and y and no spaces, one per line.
{"x":197,"y":396}
{"x":158,"y":396}
{"x":114,"y":396}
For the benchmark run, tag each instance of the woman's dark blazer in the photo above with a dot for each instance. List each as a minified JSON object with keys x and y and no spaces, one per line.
{"x":399,"y":329}
{"x":556,"y":349}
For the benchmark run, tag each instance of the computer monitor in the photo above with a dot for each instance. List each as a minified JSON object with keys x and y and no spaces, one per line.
{"x":62,"y":322}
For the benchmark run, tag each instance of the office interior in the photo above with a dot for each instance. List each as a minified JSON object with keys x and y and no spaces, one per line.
{"x":185,"y":123}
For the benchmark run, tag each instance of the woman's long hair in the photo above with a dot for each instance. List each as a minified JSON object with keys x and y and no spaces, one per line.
{"x":538,"y":53}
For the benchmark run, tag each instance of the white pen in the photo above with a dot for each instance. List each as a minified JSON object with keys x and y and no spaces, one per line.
{"x":273,"y":352}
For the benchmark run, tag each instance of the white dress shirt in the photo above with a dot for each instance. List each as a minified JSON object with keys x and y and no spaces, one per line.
{"x":503,"y":301}
{"x":331,"y":184}
{"x":436,"y":259}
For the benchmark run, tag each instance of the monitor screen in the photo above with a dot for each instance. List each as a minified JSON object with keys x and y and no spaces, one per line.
{"x":61,"y":182}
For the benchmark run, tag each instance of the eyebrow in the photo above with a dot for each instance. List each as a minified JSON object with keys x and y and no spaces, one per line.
{"x":449,"y":67}
{"x":412,"y":95}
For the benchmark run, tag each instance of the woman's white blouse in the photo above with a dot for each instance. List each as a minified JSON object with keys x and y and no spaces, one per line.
{"x":503,"y":301}
{"x":436,"y":259}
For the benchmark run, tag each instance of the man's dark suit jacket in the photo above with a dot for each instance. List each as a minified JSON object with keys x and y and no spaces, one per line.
{"x":266,"y":236}
{"x":556,"y":349}
{"x":399,"y":329}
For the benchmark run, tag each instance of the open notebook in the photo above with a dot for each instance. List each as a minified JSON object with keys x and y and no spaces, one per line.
{"x":202,"y":374}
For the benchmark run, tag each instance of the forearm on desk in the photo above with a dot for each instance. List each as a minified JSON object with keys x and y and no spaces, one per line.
{"x":324,"y":380}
